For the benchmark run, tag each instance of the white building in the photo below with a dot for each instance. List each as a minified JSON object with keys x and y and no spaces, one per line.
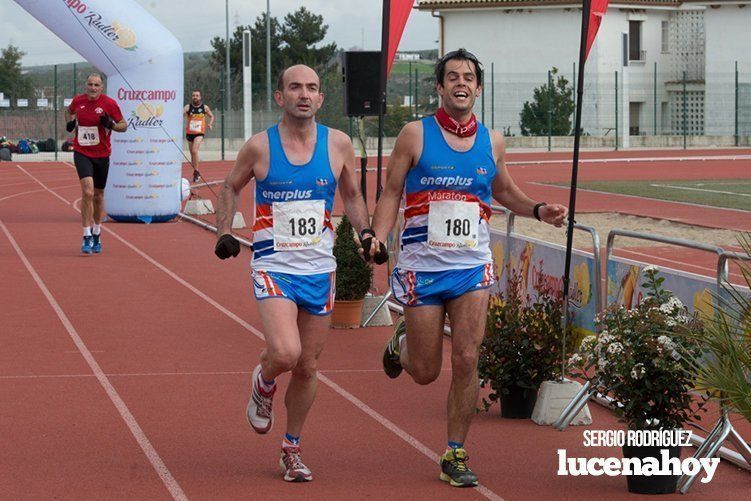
{"x":522,"y":39}
{"x":407,"y":56}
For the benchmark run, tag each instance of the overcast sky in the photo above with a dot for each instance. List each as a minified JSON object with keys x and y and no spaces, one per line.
{"x":196,"y":22}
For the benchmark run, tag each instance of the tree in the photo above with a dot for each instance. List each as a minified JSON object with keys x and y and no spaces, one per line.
{"x":534,"y":115}
{"x":13,"y":83}
{"x":291,"y":43}
{"x":302,"y":30}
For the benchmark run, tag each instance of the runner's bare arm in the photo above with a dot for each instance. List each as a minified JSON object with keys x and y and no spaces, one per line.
{"x":185,"y":112}
{"x":349,"y":186}
{"x":211,"y":116}
{"x":508,"y":194}
{"x":402,"y":159}
{"x":253,"y":152}
{"x":120,"y":126}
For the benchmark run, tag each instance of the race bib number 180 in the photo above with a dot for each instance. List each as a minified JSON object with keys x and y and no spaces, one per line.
{"x":298,"y":225}
{"x":453,"y":225}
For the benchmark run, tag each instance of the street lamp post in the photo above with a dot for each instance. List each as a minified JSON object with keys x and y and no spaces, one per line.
{"x":268,"y":56}
{"x":228,"y":80}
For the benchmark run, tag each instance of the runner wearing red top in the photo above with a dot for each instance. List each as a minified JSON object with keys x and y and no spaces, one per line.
{"x":93,"y":116}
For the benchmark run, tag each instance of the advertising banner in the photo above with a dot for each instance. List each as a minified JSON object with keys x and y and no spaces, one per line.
{"x":143,"y":63}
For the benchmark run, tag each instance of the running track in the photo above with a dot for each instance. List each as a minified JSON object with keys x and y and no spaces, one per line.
{"x":125,"y":375}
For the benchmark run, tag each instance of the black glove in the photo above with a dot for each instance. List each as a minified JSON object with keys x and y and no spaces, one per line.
{"x":381,"y":255}
{"x":106,"y":121}
{"x":227,"y":246}
{"x":70,"y":125}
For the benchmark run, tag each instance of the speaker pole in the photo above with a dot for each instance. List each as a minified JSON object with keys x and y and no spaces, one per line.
{"x":363,"y":159}
{"x":382,"y":108}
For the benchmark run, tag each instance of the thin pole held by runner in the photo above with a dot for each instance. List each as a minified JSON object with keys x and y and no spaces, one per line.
{"x":382,"y":90}
{"x":574,"y":175}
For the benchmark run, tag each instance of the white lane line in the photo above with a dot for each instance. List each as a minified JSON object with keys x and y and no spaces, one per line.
{"x":42,"y":184}
{"x":673,"y":261}
{"x":632,"y":160}
{"x":32,"y":191}
{"x":568,"y":188}
{"x":126,"y":374}
{"x":179,"y":374}
{"x":700,"y":189}
{"x":338,"y":389}
{"x":130,"y":421}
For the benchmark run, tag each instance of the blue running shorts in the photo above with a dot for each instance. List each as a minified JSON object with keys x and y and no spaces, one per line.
{"x":313,"y":293}
{"x":420,"y":288}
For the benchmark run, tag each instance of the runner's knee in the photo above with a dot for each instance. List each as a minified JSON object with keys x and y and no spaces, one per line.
{"x":464,"y":361}
{"x":305,"y":369}
{"x":285,"y":358}
{"x":98,"y":196}
{"x":87,"y":194}
{"x":423,"y":373}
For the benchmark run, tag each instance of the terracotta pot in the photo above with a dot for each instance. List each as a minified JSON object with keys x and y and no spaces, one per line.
{"x":347,"y":314}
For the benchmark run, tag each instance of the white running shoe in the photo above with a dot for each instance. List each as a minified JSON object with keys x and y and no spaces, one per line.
{"x":260,"y":415}
{"x":293,"y":468}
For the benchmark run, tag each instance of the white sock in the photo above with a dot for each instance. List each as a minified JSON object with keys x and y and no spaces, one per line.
{"x":87,"y":231}
{"x":96,"y":229}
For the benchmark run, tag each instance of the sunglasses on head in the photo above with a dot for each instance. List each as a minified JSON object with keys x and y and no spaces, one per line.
{"x":460,"y":54}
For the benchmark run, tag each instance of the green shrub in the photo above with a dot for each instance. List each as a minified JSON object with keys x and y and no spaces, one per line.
{"x":353,"y":275}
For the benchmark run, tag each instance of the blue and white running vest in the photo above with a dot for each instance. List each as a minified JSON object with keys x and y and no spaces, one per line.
{"x":447,"y":204}
{"x":292,"y":231}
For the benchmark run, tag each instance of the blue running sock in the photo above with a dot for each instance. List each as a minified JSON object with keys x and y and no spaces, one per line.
{"x":455,"y":445}
{"x":290,"y":441}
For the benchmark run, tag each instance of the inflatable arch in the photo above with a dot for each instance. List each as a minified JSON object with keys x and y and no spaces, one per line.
{"x":143,"y":63}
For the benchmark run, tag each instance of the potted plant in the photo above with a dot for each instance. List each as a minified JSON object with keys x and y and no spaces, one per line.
{"x":522,"y":345}
{"x":353,"y":278}
{"x":644,"y":364}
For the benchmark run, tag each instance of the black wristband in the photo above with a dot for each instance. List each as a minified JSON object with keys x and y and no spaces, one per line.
{"x":367,"y":231}
{"x":536,"y":210}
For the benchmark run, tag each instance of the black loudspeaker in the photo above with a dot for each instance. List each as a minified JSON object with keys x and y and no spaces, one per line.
{"x":362,"y":80}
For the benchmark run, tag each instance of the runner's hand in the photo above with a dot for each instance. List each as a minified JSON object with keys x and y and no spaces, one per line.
{"x":106,"y":121}
{"x":369,"y":244}
{"x":227,"y":246}
{"x":70,"y":125}
{"x":554,"y":214}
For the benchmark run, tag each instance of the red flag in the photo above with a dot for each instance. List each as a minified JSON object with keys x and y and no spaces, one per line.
{"x":399,"y":14}
{"x":597,"y":12}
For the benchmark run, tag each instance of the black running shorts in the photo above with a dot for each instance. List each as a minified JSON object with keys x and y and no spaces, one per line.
{"x":98,"y":168}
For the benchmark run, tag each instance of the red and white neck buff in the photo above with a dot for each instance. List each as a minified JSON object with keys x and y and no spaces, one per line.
{"x":453,"y":126}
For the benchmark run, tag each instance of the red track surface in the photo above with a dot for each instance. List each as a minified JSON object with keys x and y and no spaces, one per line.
{"x":156,"y":407}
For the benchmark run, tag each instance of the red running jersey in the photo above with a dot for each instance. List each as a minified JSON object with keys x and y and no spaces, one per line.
{"x":92,"y":139}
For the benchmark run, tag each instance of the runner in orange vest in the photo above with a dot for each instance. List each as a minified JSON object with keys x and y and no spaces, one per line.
{"x":195,"y":117}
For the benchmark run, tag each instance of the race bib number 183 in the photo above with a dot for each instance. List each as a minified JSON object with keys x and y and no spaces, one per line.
{"x":298,"y":225}
{"x":453,"y":225}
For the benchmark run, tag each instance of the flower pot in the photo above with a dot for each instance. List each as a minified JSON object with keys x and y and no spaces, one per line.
{"x":347,"y":314}
{"x":519,"y":403}
{"x":652,"y":484}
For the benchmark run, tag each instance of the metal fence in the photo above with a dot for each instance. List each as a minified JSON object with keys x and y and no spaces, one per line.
{"x":644,"y":107}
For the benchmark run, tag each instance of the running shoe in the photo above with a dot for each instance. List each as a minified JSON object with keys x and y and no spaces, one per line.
{"x":391,"y":365}
{"x":260,"y":415}
{"x":88,"y":244}
{"x":454,"y":469}
{"x":196,"y":176}
{"x":293,"y":468}
{"x":96,"y":244}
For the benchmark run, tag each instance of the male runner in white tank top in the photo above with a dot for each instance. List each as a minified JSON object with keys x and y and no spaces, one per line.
{"x":451,"y":167}
{"x":297,"y":166}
